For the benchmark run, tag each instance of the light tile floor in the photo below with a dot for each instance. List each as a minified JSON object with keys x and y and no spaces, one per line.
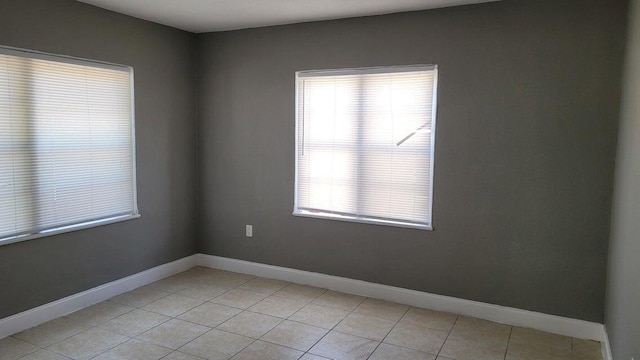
{"x":213,"y":314}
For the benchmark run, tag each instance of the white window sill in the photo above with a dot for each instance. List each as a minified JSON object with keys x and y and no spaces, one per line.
{"x":69,"y":228}
{"x":362,"y":220}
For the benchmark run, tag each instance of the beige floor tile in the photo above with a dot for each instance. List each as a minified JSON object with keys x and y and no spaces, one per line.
{"x":264,"y":286}
{"x":473,"y":327}
{"x":228,"y":279}
{"x":177,"y":355}
{"x":187,"y":274}
{"x":134,"y":323}
{"x":531,"y":344}
{"x":217,"y":345}
{"x":365,"y":326}
{"x":109,"y":356}
{"x":206,"y":279}
{"x":539,"y":338}
{"x":238,"y":298}
{"x":319,"y":321}
{"x":209,"y":314}
{"x":308,"y":356}
{"x":203,"y":292}
{"x":52,"y":331}
{"x":475,"y":339}
{"x":321,"y":316}
{"x":417,"y":337}
{"x":429,"y":318}
{"x":392,"y":352}
{"x":260,"y":350}
{"x":527,"y":352}
{"x":99,"y":313}
{"x":586,"y":349}
{"x":295,"y":335}
{"x":382,"y":309}
{"x":172,"y":305}
{"x":339,"y":300}
{"x":474,"y":348}
{"x":135,"y":350}
{"x":277,"y":306}
{"x":13,"y":348}
{"x":170,"y":284}
{"x":44,"y":355}
{"x":173,"y":334}
{"x":300,"y":292}
{"x":88,"y":344}
{"x":196,"y":275}
{"x":341,"y":346}
{"x":250,"y":324}
{"x":140,"y":297}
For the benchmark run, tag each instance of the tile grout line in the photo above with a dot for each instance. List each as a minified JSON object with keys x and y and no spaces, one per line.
{"x":216,"y":327}
{"x":210,"y":328}
{"x":390,"y":330}
{"x":247,"y":310}
{"x":334,"y":326}
{"x":103,"y":352}
{"x":297,"y":322}
{"x":177,"y":350}
{"x":447,"y":337}
{"x":91,"y":327}
{"x":506,"y":351}
{"x":98,"y":325}
{"x":329,"y":331}
{"x":242,"y":310}
{"x":169,"y":316}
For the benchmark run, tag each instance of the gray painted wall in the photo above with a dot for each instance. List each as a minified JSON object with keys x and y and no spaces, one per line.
{"x":623,"y":282}
{"x":526,"y":137}
{"x":39,"y":271}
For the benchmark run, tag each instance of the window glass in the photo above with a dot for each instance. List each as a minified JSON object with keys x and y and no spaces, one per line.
{"x":66,"y":143}
{"x":365,"y":143}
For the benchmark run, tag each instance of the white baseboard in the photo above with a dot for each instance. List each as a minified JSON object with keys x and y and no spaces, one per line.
{"x":502,"y":314}
{"x":29,"y":318}
{"x":606,"y":346}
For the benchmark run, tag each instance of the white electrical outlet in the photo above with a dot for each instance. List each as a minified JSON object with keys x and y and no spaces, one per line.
{"x":249,"y":230}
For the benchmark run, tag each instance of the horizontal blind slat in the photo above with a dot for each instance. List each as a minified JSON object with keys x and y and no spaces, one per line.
{"x":364,"y":143}
{"x":66,"y":153}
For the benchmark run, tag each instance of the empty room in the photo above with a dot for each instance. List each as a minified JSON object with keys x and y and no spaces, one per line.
{"x":320,"y":179}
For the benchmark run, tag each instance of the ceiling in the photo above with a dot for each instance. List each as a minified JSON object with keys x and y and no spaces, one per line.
{"x":219,"y":15}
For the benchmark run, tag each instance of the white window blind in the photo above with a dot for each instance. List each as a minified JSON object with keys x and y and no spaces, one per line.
{"x":66,"y":144}
{"x":365,"y":142}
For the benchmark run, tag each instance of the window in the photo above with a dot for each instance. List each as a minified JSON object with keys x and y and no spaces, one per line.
{"x":365,"y":144}
{"x":66,"y":144}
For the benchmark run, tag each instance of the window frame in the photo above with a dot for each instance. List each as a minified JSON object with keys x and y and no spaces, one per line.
{"x":65,"y":228}
{"x":328,"y":215}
